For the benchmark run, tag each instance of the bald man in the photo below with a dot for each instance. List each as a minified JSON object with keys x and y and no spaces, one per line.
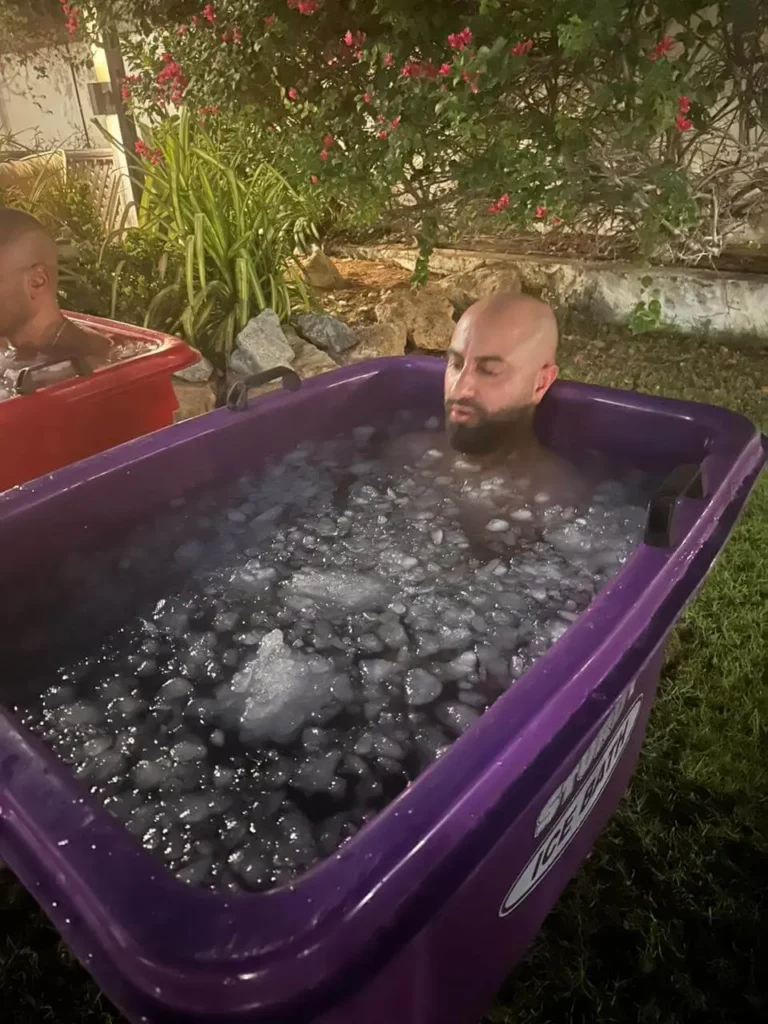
{"x":502,"y":360}
{"x":501,"y":363}
{"x":30,"y":318}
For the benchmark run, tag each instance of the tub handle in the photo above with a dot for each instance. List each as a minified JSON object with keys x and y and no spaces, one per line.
{"x":683,"y":482}
{"x":26,"y":383}
{"x":237,"y":399}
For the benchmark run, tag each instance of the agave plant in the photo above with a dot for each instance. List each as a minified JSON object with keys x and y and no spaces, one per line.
{"x":232,"y":240}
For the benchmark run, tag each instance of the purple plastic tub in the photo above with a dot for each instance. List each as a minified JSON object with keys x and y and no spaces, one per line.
{"x":420,"y":916}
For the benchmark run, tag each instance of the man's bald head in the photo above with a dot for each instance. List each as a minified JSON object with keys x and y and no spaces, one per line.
{"x":28,"y":270}
{"x":501,"y":363}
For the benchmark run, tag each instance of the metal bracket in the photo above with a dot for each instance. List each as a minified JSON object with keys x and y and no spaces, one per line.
{"x":237,"y":399}
{"x":683,"y":482}
{"x":25,"y":383}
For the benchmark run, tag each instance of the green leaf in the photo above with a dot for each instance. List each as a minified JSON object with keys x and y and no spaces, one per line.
{"x":115,"y":285}
{"x":200,"y":247}
{"x":165,"y":293}
{"x":189,"y":268}
{"x":242,"y":291}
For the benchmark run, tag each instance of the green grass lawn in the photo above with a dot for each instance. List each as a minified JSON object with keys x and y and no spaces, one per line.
{"x":667,"y":923}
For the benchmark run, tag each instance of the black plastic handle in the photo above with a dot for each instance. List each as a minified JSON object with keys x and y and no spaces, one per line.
{"x":237,"y":399}
{"x":25,"y":382}
{"x":683,"y":482}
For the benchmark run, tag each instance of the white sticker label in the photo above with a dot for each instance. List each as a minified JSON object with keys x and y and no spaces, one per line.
{"x":574,"y":814}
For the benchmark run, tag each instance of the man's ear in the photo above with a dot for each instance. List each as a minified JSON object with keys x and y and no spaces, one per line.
{"x":38,"y":278}
{"x":544,"y":381}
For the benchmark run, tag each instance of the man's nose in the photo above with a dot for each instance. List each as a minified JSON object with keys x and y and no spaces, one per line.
{"x":464,"y":384}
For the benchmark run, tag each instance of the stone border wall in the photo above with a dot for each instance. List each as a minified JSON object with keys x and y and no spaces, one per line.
{"x":692,"y":300}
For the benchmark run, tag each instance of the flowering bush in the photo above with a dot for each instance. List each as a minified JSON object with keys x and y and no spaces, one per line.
{"x":583,"y":115}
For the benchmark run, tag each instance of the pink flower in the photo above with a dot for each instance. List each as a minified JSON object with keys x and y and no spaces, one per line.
{"x":396,"y":121}
{"x":366,"y":97}
{"x":683,"y":123}
{"x":471,"y":80}
{"x":143,"y":150}
{"x":458,"y":40}
{"x":501,"y":204}
{"x":664,"y":45}
{"x":444,"y":69}
{"x":328,"y":140}
{"x":383,"y":134}
{"x":208,"y":13}
{"x":353,"y":39}
{"x":389,"y":60}
{"x":305,"y":6}
{"x":684,"y":104}
{"x":71,"y":13}
{"x":380,"y":118}
{"x":556,"y":221}
{"x":541,"y":212}
{"x":180,"y":31}
{"x":269,"y":21}
{"x":520,"y":49}
{"x":236,"y":37}
{"x":314,"y":179}
{"x":417,"y":69}
{"x":171,"y":78}
{"x":323,"y":154}
{"x":292,"y":94}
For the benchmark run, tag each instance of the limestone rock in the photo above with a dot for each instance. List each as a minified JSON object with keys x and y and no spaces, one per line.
{"x":427,"y":314}
{"x":328,"y":333}
{"x":193,"y":399}
{"x":308,"y":359}
{"x":260,"y":345}
{"x":479,"y":283}
{"x":198,"y":373}
{"x":375,"y":340}
{"x":239,"y":364}
{"x":321,"y":273}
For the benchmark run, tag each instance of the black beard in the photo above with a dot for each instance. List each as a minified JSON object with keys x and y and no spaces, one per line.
{"x":494,"y":432}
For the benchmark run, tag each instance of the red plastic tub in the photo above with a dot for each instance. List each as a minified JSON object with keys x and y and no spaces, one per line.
{"x":71,"y":419}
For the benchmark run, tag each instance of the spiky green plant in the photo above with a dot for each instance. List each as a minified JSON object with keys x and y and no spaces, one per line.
{"x":230,"y":241}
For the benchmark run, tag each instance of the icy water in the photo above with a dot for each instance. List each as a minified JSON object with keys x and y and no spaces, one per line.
{"x":296,"y":648}
{"x":121,"y":350}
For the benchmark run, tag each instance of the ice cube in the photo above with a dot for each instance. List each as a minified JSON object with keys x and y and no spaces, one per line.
{"x":349,"y":591}
{"x":421,"y":687}
{"x":457,"y":718}
{"x":497,"y":526}
{"x":277,"y":690}
{"x":316,"y":774}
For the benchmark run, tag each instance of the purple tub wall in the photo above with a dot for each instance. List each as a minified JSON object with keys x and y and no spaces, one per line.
{"x":426,"y":981}
{"x":402,"y":924}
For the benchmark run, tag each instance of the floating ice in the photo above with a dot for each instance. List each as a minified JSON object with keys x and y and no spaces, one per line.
{"x":323,"y":633}
{"x":347,"y":591}
{"x":277,"y":690}
{"x":422,"y":687}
